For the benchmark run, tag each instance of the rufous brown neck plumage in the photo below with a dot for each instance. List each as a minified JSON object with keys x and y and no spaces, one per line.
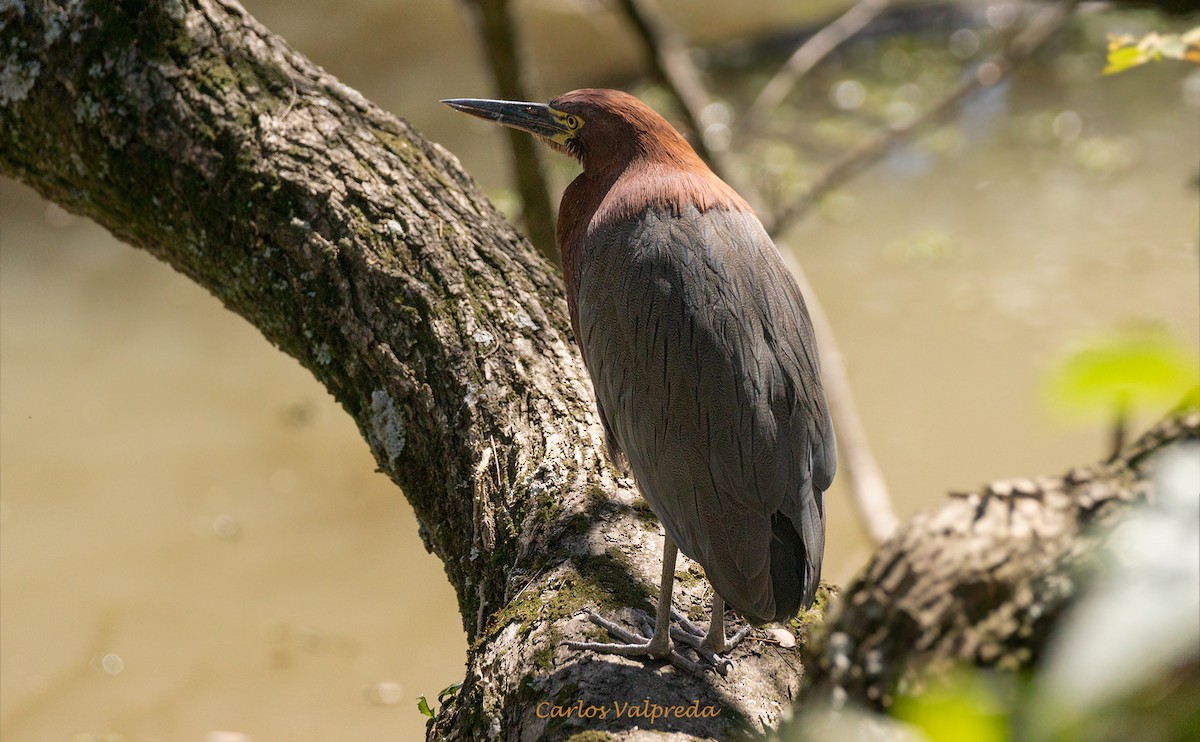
{"x":633,"y":160}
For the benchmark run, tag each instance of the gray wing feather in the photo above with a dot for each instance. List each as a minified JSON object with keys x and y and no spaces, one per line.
{"x":705,"y":368}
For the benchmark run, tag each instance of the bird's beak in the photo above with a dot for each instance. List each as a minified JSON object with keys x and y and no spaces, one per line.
{"x":535,"y":118}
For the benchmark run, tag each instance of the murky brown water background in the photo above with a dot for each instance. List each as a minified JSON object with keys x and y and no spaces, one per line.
{"x":192,"y":538}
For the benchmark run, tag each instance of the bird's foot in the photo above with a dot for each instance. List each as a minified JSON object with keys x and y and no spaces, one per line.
{"x":711,"y":644}
{"x":643,"y":645}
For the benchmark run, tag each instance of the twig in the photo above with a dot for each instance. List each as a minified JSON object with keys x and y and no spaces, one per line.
{"x":1120,"y":426}
{"x":669,"y":59}
{"x":811,"y":52}
{"x":497,"y":31}
{"x":868,"y":488}
{"x":987,"y":75}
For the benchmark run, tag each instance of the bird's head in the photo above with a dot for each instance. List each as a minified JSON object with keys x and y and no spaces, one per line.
{"x":600,"y":128}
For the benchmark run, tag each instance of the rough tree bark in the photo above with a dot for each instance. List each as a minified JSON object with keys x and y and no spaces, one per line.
{"x":981,"y":580}
{"x":366,"y":253}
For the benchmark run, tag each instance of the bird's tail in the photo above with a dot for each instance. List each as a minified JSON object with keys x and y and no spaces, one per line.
{"x":796,"y":551}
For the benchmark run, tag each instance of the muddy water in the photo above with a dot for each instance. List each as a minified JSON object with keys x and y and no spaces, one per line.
{"x":192,"y":538}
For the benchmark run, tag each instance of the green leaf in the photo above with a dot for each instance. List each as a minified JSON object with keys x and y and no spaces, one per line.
{"x":964,"y":706}
{"x":1137,"y":369}
{"x":450,"y":690}
{"x":1125,"y":51}
{"x":423,"y":706}
{"x":1123,"y":58}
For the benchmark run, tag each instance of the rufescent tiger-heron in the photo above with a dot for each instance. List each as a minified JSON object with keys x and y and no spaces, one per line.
{"x":702,"y":356}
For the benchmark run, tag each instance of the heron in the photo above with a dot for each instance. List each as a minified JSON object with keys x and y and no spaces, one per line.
{"x":702,"y":356}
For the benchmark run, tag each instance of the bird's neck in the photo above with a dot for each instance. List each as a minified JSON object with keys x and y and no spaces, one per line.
{"x":605,"y":196}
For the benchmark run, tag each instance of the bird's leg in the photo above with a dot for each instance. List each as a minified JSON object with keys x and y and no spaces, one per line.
{"x":658,"y":645}
{"x":715,"y":638}
{"x":662,"y":617}
{"x":712,"y":642}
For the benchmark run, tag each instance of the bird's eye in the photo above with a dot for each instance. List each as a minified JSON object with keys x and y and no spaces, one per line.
{"x":572,"y":122}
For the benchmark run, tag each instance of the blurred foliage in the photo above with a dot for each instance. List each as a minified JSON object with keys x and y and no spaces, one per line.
{"x":1165,"y":711}
{"x":1126,"y":51}
{"x":926,"y":246}
{"x":980,"y":705}
{"x":965,"y":705}
{"x":1135,"y":369}
{"x":1124,"y":662}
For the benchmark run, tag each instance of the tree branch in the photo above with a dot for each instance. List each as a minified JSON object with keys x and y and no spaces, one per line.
{"x":807,"y":55}
{"x":856,"y":459}
{"x":498,"y":34}
{"x":668,"y":59}
{"x":982,"y":580}
{"x":985,"y":76}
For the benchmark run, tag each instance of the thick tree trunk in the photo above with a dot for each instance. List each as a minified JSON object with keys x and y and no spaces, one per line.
{"x":366,"y":253}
